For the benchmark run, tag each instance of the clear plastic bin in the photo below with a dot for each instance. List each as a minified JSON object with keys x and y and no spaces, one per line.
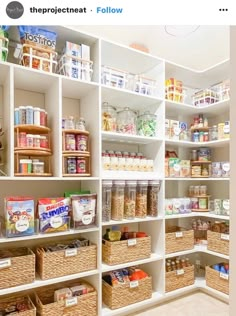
{"x":205,"y":97}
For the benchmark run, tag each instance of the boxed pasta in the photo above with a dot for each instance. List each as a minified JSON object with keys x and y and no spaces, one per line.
{"x":19,"y":216}
{"x":84,"y":208}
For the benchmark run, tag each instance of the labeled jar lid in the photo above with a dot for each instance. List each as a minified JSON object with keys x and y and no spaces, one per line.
{"x":142,"y":182}
{"x":119,"y":182}
{"x":131,"y":183}
{"x":154,"y":182}
{"x":107,"y":183}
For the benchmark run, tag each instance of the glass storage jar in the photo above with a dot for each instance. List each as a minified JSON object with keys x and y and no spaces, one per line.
{"x":117,"y":201}
{"x":130,"y":199}
{"x":126,"y":121}
{"x":109,"y":115}
{"x":152,"y":197}
{"x":106,"y":200}
{"x":141,"y":199}
{"x":146,"y":124}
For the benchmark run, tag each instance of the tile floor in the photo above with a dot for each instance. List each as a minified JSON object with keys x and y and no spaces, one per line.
{"x":195,"y":304}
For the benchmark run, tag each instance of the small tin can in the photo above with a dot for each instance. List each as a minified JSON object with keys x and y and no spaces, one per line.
{"x":22,"y":139}
{"x":42,"y":117}
{"x":70,"y":142}
{"x":81,"y":142}
{"x":29,"y":115}
{"x":71,"y":165}
{"x":17,"y":116}
{"x":81,"y":165}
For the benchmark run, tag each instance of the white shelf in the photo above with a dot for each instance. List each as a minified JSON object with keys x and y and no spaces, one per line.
{"x":197,"y":179}
{"x":126,"y":138}
{"x":51,"y":235}
{"x":212,"y":144}
{"x":130,"y":175}
{"x":135,"y":220}
{"x":154,"y":257}
{"x":200,"y":283}
{"x":197,"y":214}
{"x":197,"y":248}
{"x":7,"y":178}
{"x":156,"y":296}
{"x":39,"y":283}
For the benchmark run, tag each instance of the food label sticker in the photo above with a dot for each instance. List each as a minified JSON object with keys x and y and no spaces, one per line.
{"x":22,"y":225}
{"x":224,"y":236}
{"x":56,"y":221}
{"x":71,"y":252}
{"x":178,"y":234}
{"x":226,"y":166}
{"x":177,"y":131}
{"x":5,"y":263}
{"x":224,"y":276}
{"x":133,"y":284}
{"x":177,"y":203}
{"x":87,"y":219}
{"x":180,"y":271}
{"x":198,"y":262}
{"x":132,"y":242}
{"x":71,"y":301}
{"x":226,"y":204}
{"x":176,"y":167}
{"x":226,"y":129}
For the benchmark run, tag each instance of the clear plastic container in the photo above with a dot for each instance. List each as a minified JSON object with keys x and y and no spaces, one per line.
{"x":146,"y":124}
{"x":141,"y":199}
{"x":130,"y":199}
{"x":126,"y":121}
{"x":106,"y":200}
{"x":117,"y":201}
{"x":214,"y":132}
{"x":152,"y":197}
{"x":109,"y":115}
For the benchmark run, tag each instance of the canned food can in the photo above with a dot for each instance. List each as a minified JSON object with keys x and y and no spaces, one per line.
{"x":71,"y":165}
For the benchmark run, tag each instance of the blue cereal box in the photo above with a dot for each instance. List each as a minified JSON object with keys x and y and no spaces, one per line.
{"x":19,"y":214}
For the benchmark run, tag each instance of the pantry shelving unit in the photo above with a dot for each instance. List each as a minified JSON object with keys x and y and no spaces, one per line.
{"x":61,"y":96}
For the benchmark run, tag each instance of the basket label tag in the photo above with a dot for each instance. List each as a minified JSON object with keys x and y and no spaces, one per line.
{"x":5,"y":263}
{"x":71,"y":301}
{"x":180,"y":271}
{"x":71,"y":252}
{"x":224,"y":236}
{"x":133,"y":284}
{"x":224,"y":276}
{"x":178,"y":234}
{"x":132,"y":242}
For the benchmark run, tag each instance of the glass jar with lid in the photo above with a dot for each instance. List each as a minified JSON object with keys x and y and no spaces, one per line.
{"x":141,"y":199}
{"x":130,"y":199}
{"x":126,"y":121}
{"x":106,"y":200}
{"x":109,"y":115}
{"x":146,"y":124}
{"x":117,"y":201}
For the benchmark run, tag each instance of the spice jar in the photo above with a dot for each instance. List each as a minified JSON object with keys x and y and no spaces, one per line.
{"x":130,"y":199}
{"x":108,"y":118}
{"x":147,"y":123}
{"x":117,"y":201}
{"x":141,"y":199}
{"x":126,"y":121}
{"x":106,"y":200}
{"x":152,"y":197}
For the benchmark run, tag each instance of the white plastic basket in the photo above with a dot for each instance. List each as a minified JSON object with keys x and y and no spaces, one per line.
{"x":172,"y":93}
{"x":3,"y":48}
{"x":38,"y":58}
{"x":144,"y":85}
{"x":114,"y":77}
{"x":223,"y":90}
{"x":205,"y":97}
{"x":75,"y":67}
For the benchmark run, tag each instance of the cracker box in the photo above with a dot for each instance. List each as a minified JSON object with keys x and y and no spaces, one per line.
{"x":174,"y":167}
{"x":19,"y":215}
{"x":185,"y":168}
{"x":72,"y":65}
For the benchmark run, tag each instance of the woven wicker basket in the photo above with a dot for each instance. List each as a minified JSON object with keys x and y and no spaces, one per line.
{"x":179,"y":240}
{"x":216,"y":242}
{"x":215,"y":281}
{"x":15,"y":299}
{"x":18,"y":270}
{"x":123,"y":295}
{"x":63,"y":263}
{"x":176,"y":281}
{"x":121,"y":252}
{"x":86,"y":304}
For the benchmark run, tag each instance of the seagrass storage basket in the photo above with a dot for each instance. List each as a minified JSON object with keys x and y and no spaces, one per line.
{"x":18,"y":269}
{"x":178,"y":239}
{"x":179,"y":278}
{"x":124,"y":294}
{"x":83,"y":305}
{"x":218,"y":242}
{"x":217,"y":280}
{"x":118,"y":252}
{"x":7,"y":302}
{"x":65,"y":262}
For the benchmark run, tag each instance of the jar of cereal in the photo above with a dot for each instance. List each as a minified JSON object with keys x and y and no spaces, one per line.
{"x":141,"y":199}
{"x":130,"y":199}
{"x":117,"y":200}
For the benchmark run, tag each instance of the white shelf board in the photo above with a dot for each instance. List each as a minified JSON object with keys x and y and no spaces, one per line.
{"x":51,"y":235}
{"x":121,"y":97}
{"x":197,"y":179}
{"x":76,"y":89}
{"x":135,"y":220}
{"x":106,"y":311}
{"x":153,"y":257}
{"x":39,"y":283}
{"x":197,"y":248}
{"x":4,"y":69}
{"x":48,"y":178}
{"x":130,"y":175}
{"x":129,"y":139}
{"x":181,"y":291}
{"x":211,"y":110}
{"x":200,"y":283}
{"x":197,"y":214}
{"x":189,"y":144}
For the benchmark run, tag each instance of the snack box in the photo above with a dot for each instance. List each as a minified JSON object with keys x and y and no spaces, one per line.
{"x":174,"y":167}
{"x":174,"y":129}
{"x":84,"y":208}
{"x":185,"y":168}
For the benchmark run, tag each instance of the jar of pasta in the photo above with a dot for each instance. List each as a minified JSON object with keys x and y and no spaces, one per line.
{"x":130,"y":199}
{"x":141,"y":199}
{"x":108,"y":118}
{"x":152,"y":197}
{"x":117,"y":201}
{"x":106,"y":200}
